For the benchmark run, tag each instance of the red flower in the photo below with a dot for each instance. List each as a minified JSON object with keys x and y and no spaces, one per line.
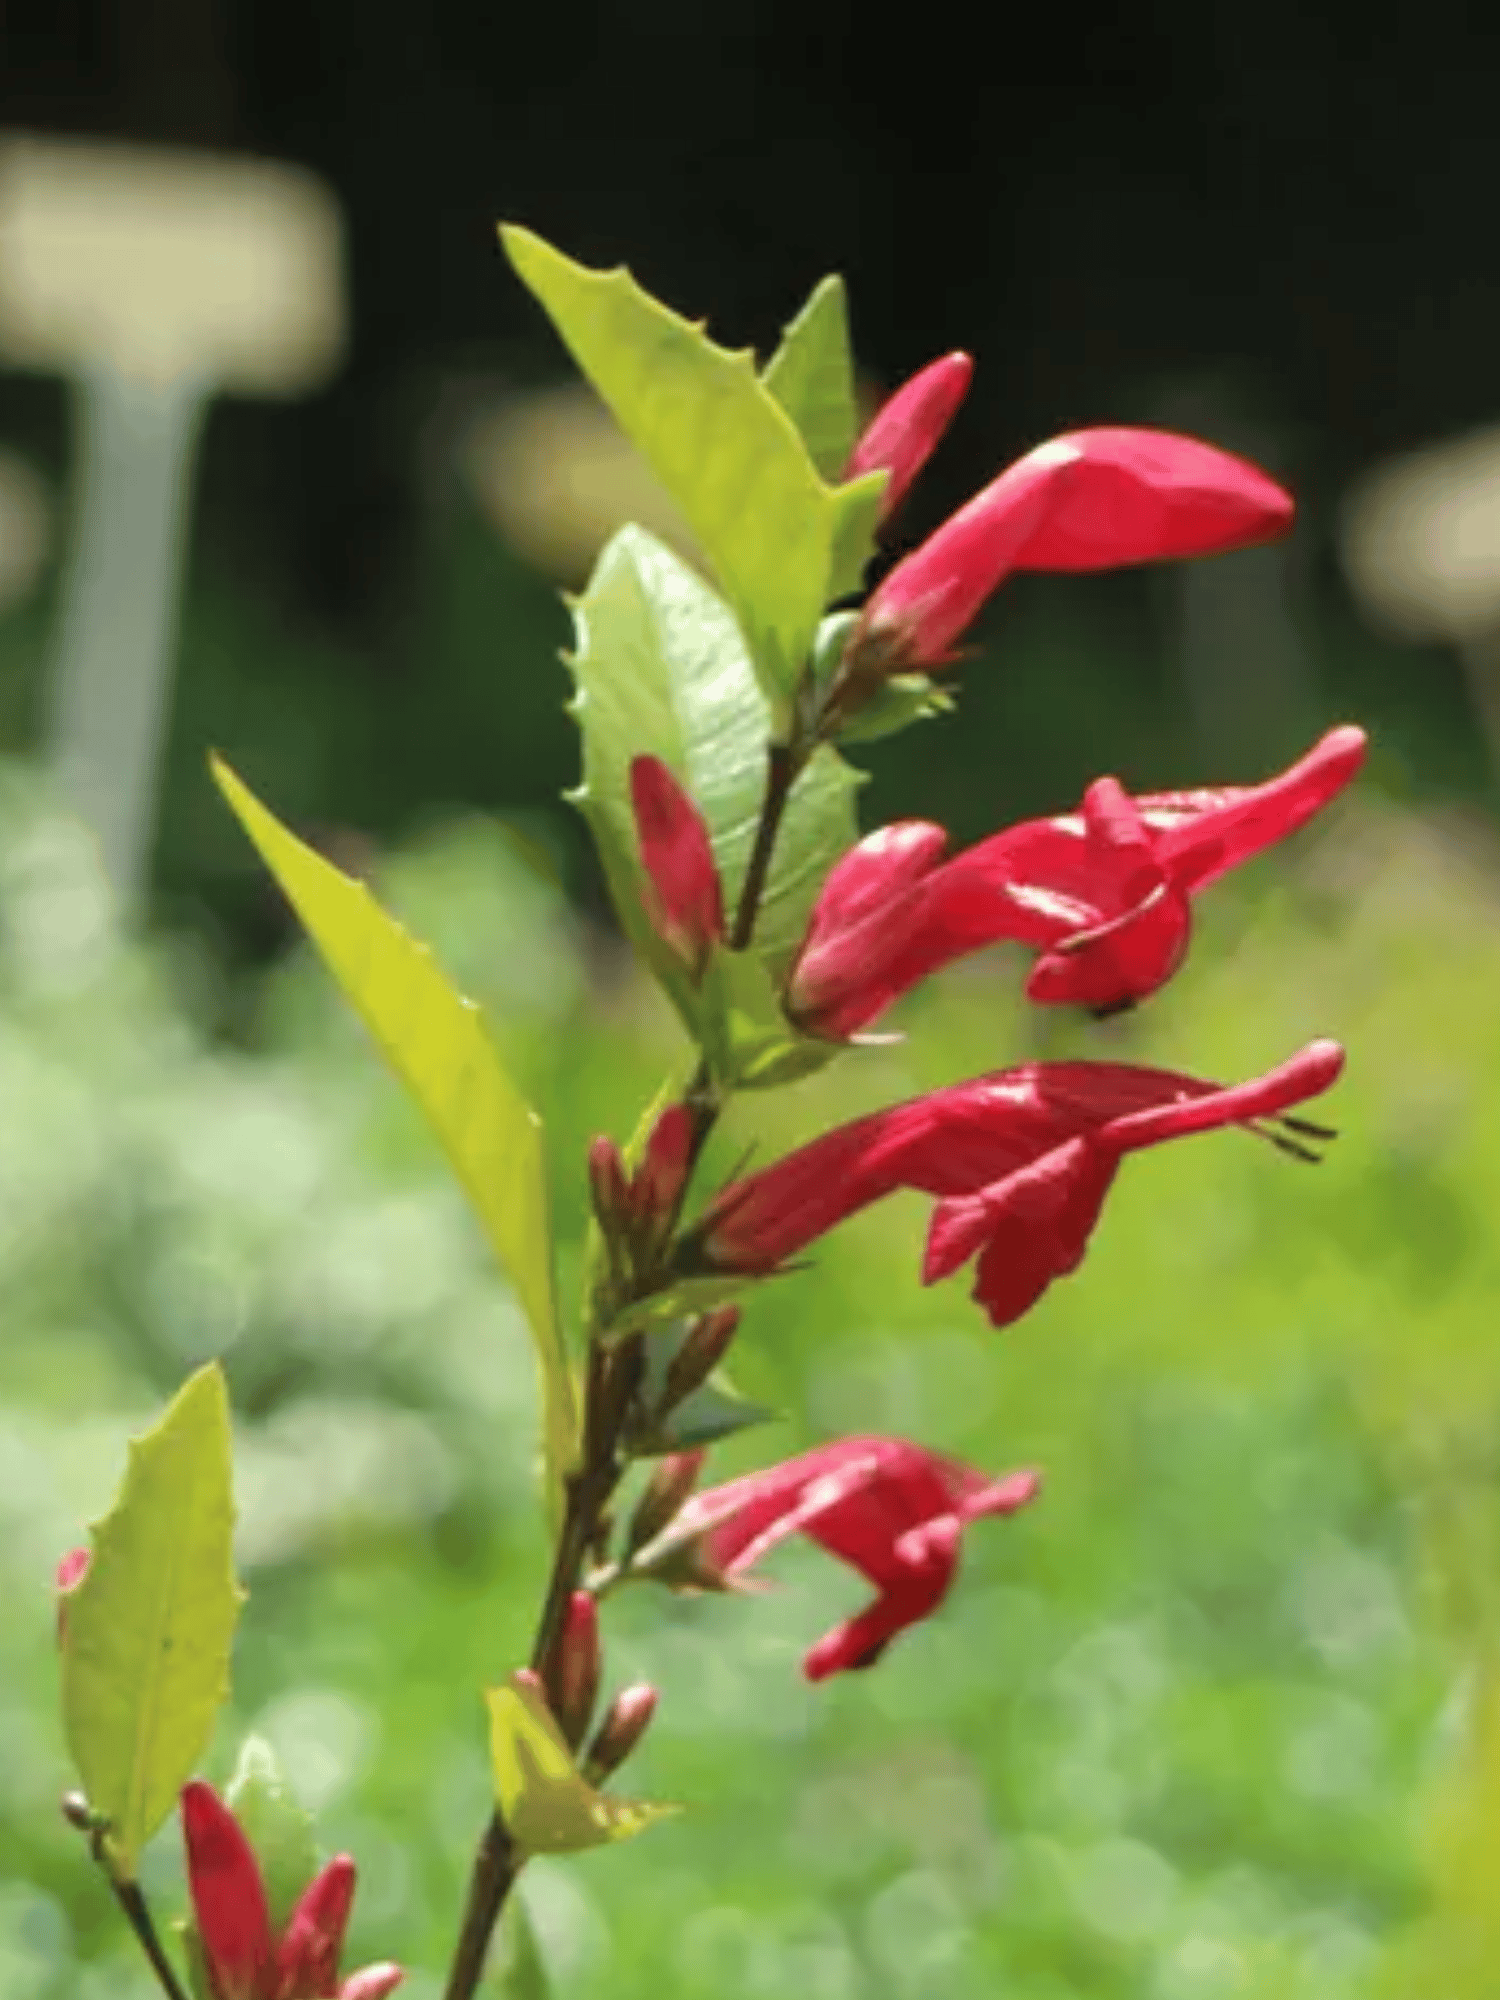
{"x":1103,"y":893}
{"x":893,"y":1511}
{"x":243,"y":1957}
{"x":905,"y":431}
{"x":684,"y":901}
{"x":1019,"y":1160}
{"x":1093,"y":499}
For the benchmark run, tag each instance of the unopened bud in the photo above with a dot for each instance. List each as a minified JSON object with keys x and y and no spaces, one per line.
{"x":621,"y":1730}
{"x":658,"y":1186}
{"x":608,"y":1184}
{"x":70,"y":1573}
{"x":672,"y":1480}
{"x":575,"y":1678}
{"x":77,"y":1811}
{"x":701,"y":1352}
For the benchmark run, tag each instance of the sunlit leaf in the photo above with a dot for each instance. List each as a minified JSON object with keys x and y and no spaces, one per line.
{"x":145,"y":1657}
{"x":748,"y":1040}
{"x":435,"y":1041}
{"x":546,"y":1804}
{"x":723,"y":447}
{"x":811,"y":375}
{"x":661,"y":669}
{"x":276,"y":1826}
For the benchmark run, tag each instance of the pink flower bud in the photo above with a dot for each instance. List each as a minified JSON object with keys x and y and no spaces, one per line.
{"x":672,"y":1480}
{"x":574,"y":1679}
{"x":905,"y":431}
{"x":70,"y":1573}
{"x":628,"y":1719}
{"x":372,"y":1982}
{"x":683,"y":897}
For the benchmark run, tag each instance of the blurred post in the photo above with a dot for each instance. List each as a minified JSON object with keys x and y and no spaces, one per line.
{"x":1420,"y":537}
{"x":153,"y":279}
{"x":1245,"y":670}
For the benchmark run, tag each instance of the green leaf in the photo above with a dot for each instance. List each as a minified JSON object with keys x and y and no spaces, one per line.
{"x":898,"y":702}
{"x":145,"y":1656}
{"x":811,"y":375}
{"x":276,"y":1826}
{"x":546,"y":1804}
{"x":435,"y":1041}
{"x":714,"y":1410}
{"x":748,"y":1040}
{"x":687,"y":1295}
{"x":723,"y":447}
{"x":661,"y":670}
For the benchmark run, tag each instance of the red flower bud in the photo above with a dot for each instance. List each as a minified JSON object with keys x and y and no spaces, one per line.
{"x":707,"y":1343}
{"x":608,"y":1184}
{"x":658,"y":1185}
{"x":1092,"y":499}
{"x":313,"y":1942}
{"x":574,"y":1679}
{"x":683,"y":897}
{"x":621,"y":1730}
{"x":905,"y":431}
{"x":242,"y":1958}
{"x":229,"y":1899}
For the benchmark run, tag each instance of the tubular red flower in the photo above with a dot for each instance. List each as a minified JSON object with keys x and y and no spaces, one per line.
{"x":891,"y":1510}
{"x":905,"y":431}
{"x":1104,"y":894}
{"x":1091,"y":499}
{"x":243,"y":1957}
{"x":1020,"y":1162}
{"x":684,"y":900}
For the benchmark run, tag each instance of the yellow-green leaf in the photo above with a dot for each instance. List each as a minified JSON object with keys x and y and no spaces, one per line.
{"x":547,"y":1806}
{"x":781,"y":541}
{"x":145,"y":1656}
{"x":435,"y":1041}
{"x":811,"y":375}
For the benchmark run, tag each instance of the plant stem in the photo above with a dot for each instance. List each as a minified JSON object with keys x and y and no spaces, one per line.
{"x":783,"y":763}
{"x":133,"y":1903}
{"x":613,"y":1375}
{"x":614,"y":1372}
{"x":494,"y":1872}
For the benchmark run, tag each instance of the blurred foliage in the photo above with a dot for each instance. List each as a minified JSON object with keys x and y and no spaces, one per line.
{"x":1215,"y":1718}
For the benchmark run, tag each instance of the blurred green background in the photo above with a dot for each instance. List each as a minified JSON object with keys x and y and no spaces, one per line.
{"x":1219,"y":1718}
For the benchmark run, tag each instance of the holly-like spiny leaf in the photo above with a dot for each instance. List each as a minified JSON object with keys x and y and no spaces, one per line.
{"x":145,"y":1650}
{"x":811,"y":375}
{"x":661,"y":670}
{"x":545,"y":1803}
{"x":778,"y":537}
{"x":278,"y":1829}
{"x":435,"y":1041}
